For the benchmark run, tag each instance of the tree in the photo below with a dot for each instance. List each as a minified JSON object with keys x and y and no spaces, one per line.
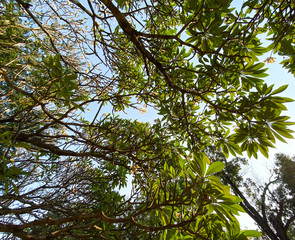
{"x":194,"y":62}
{"x":270,"y":204}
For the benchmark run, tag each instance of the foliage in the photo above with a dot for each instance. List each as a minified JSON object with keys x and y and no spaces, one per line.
{"x":194,"y":62}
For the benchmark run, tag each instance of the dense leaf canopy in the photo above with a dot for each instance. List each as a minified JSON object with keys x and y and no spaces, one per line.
{"x":195,"y":62}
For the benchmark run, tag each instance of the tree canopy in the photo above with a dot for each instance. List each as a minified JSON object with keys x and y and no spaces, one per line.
{"x":196,"y":63}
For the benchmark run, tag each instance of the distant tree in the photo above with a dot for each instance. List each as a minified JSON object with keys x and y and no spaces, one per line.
{"x":195,"y":63}
{"x":271,"y":204}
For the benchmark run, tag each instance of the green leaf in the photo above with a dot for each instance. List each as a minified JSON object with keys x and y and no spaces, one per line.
{"x":279,"y":90}
{"x":286,"y":47}
{"x":263,"y":150}
{"x":225,"y":150}
{"x":279,"y":137}
{"x":199,"y":163}
{"x":215,"y":167}
{"x":282,"y":131}
{"x":251,"y":233}
{"x":166,"y":167}
{"x":230,"y":206}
